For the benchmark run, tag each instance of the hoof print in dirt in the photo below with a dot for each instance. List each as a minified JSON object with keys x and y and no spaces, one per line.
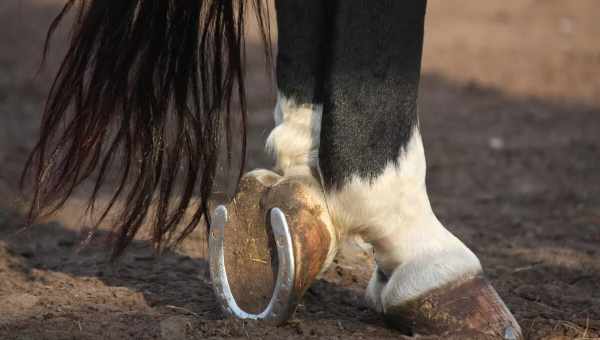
{"x":471,"y":309}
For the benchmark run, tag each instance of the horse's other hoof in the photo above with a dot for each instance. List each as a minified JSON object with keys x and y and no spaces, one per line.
{"x":471,"y":309}
{"x":267,"y":246}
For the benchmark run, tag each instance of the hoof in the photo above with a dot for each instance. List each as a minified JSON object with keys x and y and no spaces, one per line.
{"x":469,"y":310}
{"x":266,"y":247}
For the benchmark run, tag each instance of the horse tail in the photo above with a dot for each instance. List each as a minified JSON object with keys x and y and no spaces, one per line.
{"x":147,"y":85}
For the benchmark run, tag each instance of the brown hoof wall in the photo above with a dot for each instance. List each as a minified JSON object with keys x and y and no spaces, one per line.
{"x":469,"y":310}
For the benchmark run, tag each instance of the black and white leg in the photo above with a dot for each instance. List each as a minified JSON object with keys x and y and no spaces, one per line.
{"x":373,"y":166}
{"x":294,"y":142}
{"x":348,"y":75}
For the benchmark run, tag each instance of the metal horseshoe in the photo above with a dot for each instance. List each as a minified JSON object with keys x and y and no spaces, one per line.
{"x":280,"y":306}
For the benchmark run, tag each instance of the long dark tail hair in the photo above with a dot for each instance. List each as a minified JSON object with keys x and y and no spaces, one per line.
{"x":147,"y":85}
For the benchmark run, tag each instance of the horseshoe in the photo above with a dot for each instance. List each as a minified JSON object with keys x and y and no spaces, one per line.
{"x":295,"y":231}
{"x":279,"y":308}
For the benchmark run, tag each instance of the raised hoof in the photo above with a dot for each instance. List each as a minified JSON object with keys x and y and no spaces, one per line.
{"x":469,"y":310}
{"x":266,"y":247}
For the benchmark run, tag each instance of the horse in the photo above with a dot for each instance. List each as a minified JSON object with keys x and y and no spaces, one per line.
{"x":150,"y":85}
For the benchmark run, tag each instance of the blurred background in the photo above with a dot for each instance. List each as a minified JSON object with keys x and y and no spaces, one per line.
{"x":510,"y":112}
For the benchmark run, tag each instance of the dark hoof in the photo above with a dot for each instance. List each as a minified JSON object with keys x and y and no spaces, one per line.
{"x":468,"y":310}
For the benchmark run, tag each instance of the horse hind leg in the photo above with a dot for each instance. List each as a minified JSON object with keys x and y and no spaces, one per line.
{"x":250,"y":289}
{"x":346,"y":124}
{"x":372,"y":162}
{"x":294,"y":142}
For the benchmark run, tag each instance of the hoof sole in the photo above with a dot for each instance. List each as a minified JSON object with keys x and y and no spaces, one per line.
{"x":265,"y":249}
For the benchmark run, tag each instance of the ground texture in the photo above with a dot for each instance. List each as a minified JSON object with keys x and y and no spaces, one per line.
{"x":510,"y":111}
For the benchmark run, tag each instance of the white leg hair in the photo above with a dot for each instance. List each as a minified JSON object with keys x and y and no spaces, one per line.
{"x":412,"y":248}
{"x":294,"y":142}
{"x":295,"y":139}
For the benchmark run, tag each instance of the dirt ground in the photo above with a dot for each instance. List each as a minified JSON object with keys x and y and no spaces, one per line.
{"x":510,"y":111}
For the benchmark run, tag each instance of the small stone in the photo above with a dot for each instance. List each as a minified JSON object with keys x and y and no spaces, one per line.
{"x":496,"y":143}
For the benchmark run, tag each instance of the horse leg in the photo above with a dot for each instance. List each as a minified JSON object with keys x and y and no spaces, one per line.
{"x":373,"y":167}
{"x":290,"y":203}
{"x":294,"y":141}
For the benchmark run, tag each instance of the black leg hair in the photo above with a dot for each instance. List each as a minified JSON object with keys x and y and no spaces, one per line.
{"x":370,"y":92}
